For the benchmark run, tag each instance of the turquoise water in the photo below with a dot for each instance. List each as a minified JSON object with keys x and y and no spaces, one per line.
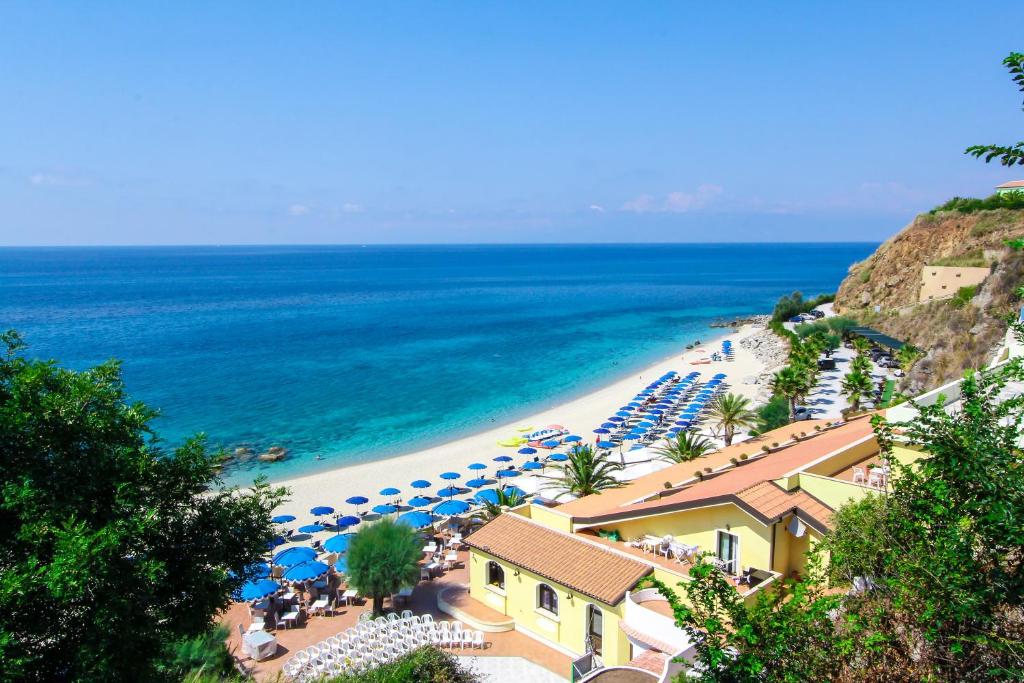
{"x":379,"y":350}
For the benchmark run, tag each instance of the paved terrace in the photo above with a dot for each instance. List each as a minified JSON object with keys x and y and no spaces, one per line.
{"x":312,"y":630}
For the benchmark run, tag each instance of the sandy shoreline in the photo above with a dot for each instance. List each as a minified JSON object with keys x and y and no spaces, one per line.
{"x":581,"y":415}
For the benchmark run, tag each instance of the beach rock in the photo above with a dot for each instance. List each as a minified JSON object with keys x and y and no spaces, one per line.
{"x":273,"y":454}
{"x":243,"y":453}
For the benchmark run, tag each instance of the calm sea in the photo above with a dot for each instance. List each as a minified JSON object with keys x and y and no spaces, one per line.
{"x":364,"y":352}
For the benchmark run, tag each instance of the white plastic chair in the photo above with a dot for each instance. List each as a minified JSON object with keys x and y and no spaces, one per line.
{"x":478,"y":639}
{"x":407,"y":614}
{"x":427,"y":618}
{"x":858,"y":475}
{"x":467,"y":639}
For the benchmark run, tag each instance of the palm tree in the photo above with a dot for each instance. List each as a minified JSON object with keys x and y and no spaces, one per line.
{"x":731,"y":412}
{"x":383,"y":557}
{"x":791,"y":383}
{"x":861,"y":345}
{"x":861,"y":364}
{"x":856,"y":385}
{"x":585,"y":473}
{"x":506,"y":499}
{"x":685,"y":447}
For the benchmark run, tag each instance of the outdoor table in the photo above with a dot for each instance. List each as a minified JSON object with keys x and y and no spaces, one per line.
{"x":320,"y":604}
{"x":259,"y":645}
{"x":320,"y":584}
{"x":404,"y":594}
{"x":348,"y":595}
{"x":289,"y":618}
{"x":430,"y":567}
{"x":430,"y":547}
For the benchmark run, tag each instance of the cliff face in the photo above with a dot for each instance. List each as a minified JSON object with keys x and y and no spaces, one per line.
{"x":956,"y":333}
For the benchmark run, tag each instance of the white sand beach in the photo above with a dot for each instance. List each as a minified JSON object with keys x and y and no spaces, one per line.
{"x":580,"y":416}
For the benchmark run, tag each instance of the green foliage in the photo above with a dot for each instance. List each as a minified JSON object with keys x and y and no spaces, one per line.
{"x":685,"y":447}
{"x":791,"y":383}
{"x":110,"y":546}
{"x":856,"y":387}
{"x":772,"y":415}
{"x":203,"y":655}
{"x":795,"y":304}
{"x":786,"y":635}
{"x":841,"y":324}
{"x":963,"y":296}
{"x":731,"y":412}
{"x":972,"y":259}
{"x":907,"y":356}
{"x":1008,"y":155}
{"x":506,"y":499}
{"x":383,"y":558}
{"x":422,"y":665}
{"x":1009,"y":200}
{"x":585,"y":473}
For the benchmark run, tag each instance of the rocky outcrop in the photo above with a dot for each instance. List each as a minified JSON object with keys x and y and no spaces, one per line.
{"x":768,"y":348}
{"x":954,"y":334}
{"x":273,"y":454}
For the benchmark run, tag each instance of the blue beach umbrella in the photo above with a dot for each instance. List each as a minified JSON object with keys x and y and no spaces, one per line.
{"x":417,"y":519}
{"x":276,"y":541}
{"x":526,"y":451}
{"x":627,"y":407}
{"x":322,"y":510}
{"x":477,"y":483}
{"x":476,"y":466}
{"x":341,"y":565}
{"x":311,"y":528}
{"x":552,"y":443}
{"x":558,"y":457}
{"x":602,"y":430}
{"x":338,"y":544}
{"x":449,"y":491}
{"x":451,"y":507}
{"x":616,"y":419}
{"x":390,"y":491}
{"x":420,"y":484}
{"x":450,"y":475}
{"x":623,"y":413}
{"x":572,"y":438}
{"x":631,"y":437}
{"x":533,"y":465}
{"x":384,"y":509}
{"x":645,"y":425}
{"x":608,"y":425}
{"x":491,"y":495}
{"x":503,"y":458}
{"x":257,"y":590}
{"x":348,"y":520}
{"x":606,"y":444}
{"x":293,"y":556}
{"x":504,"y":474}
{"x":420,"y":501}
{"x":306,"y":571}
{"x":357,"y":500}
{"x":282,"y":519}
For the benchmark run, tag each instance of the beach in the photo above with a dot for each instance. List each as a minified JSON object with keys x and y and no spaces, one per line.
{"x":580,"y":416}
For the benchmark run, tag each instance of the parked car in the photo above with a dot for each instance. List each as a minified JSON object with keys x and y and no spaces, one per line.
{"x":802,"y":413}
{"x":817,"y":314}
{"x":827,"y":364}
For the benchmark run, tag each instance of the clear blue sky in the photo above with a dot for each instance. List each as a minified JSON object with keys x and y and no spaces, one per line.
{"x":183,"y":123}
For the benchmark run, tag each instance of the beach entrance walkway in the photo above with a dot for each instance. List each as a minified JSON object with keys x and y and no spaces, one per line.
{"x":508,"y":644}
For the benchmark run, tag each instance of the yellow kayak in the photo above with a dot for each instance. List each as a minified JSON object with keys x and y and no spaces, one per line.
{"x":510,"y":443}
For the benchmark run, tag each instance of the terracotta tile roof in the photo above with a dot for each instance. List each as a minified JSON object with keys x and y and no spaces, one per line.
{"x":724,"y":487}
{"x":772,"y":501}
{"x":1012,"y":183}
{"x":649,"y":484}
{"x":590,"y":569}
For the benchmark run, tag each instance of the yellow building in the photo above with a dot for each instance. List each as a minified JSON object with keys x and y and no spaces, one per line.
{"x":567,"y":574}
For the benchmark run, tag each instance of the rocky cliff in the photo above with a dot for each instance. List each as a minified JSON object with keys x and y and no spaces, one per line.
{"x":956,"y":333}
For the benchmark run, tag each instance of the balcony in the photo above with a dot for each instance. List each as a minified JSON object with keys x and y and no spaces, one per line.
{"x":648,"y":619}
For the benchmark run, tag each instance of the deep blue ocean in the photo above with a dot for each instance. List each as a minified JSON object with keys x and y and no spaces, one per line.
{"x":348,"y":349}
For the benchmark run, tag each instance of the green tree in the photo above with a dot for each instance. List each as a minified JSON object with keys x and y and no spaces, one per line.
{"x":1008,"y":155}
{"x":111,"y":547}
{"x":684,"y":447}
{"x":584,"y":473}
{"x":856,"y":387}
{"x":427,"y":664}
{"x":772,"y":415}
{"x":841,"y":325}
{"x":861,"y":345}
{"x":383,"y":558}
{"x":790,"y":383}
{"x":505,"y":499}
{"x":786,"y":635}
{"x":861,"y":364}
{"x":731,"y":412}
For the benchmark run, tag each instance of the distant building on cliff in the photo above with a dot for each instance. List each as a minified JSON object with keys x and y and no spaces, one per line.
{"x":1012,"y":186}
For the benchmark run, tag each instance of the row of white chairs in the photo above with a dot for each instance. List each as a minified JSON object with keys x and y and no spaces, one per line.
{"x":371,"y":643}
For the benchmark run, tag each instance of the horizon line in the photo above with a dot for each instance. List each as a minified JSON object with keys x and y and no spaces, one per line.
{"x":425,"y":244}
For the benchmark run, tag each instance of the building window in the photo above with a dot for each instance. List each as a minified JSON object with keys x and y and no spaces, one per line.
{"x":546,"y":598}
{"x":495,"y":575}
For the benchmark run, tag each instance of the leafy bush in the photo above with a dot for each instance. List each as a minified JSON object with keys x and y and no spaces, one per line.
{"x":1010,"y":200}
{"x":795,"y":304}
{"x":204,"y":655}
{"x":972,"y":259}
{"x":773,"y":414}
{"x":424,"y":664}
{"x":963,"y":296}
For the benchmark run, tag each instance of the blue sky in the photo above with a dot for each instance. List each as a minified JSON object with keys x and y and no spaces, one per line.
{"x":315,"y":122}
